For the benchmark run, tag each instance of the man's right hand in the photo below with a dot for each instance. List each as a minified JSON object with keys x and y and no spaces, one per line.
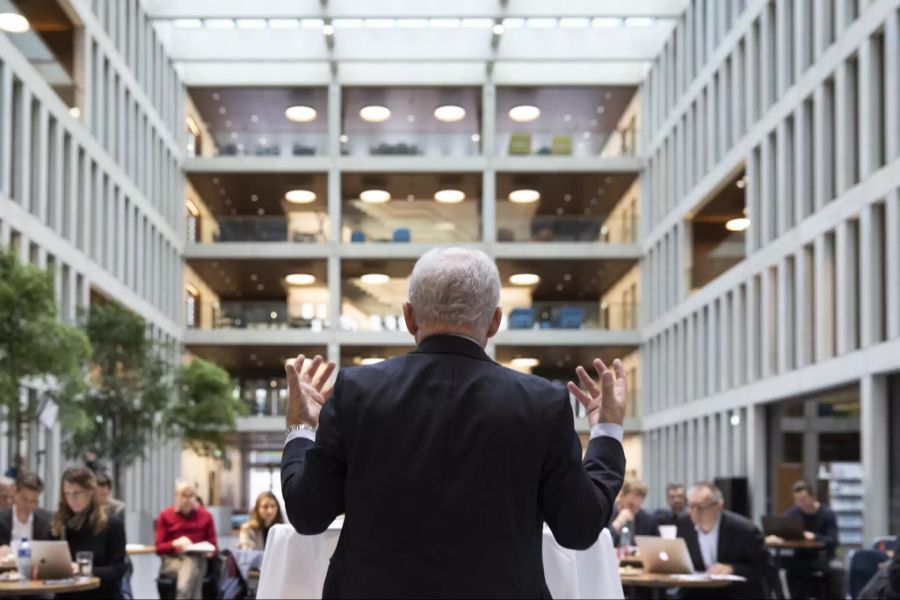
{"x":624,"y":516}
{"x":307,"y":390}
{"x":605,"y":404}
{"x":182,"y":543}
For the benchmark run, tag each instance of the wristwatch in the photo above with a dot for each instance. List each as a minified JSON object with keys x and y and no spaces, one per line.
{"x":299,"y":427}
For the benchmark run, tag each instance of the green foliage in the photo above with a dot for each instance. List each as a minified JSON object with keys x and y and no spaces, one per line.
{"x":34,"y":344}
{"x":205,"y":407}
{"x":129,"y":389}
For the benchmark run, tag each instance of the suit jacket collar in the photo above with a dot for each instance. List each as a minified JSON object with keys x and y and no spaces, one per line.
{"x":451,"y":344}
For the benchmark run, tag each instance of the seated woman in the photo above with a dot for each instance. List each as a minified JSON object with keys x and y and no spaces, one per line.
{"x":265,"y":514}
{"x":84,"y":524}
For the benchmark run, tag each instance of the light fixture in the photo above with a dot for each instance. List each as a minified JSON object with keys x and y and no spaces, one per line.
{"x":738,"y":224}
{"x":192,"y":208}
{"x":524,"y":113}
{"x":449,"y":196}
{"x":524,"y":279}
{"x":193,"y":291}
{"x":13,"y":23}
{"x":300,"y":196}
{"x":449,"y":113}
{"x":300,"y":279}
{"x":525,"y":362}
{"x":524,"y":196}
{"x":375,"y":113}
{"x":375,"y":196}
{"x":375,"y":278}
{"x":300,"y":113}
{"x":75,"y":112}
{"x":735,"y":420}
{"x":192,"y":125}
{"x":498,"y":29}
{"x":328,"y":29}
{"x":345,"y":138}
{"x":370,"y":360}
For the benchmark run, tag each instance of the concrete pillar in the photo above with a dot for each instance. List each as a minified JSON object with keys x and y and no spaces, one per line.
{"x":874,"y":438}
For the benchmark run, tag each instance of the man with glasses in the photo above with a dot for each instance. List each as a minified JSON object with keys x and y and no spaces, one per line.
{"x":723,"y":543}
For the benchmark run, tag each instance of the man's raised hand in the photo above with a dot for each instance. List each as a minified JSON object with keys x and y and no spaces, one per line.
{"x":606,"y":403}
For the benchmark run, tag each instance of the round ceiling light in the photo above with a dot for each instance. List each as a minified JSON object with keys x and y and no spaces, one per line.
{"x":449,"y":196}
{"x":450,"y":113}
{"x":525,"y":362}
{"x":375,"y":196}
{"x":13,"y":23}
{"x":300,"y":196}
{"x":300,"y":114}
{"x":375,"y":113}
{"x":738,"y":224}
{"x":524,"y":113}
{"x":300,"y":279}
{"x":375,"y":278}
{"x":525,"y":279}
{"x":524,"y":196}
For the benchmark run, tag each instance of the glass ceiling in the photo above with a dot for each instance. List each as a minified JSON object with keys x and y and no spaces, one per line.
{"x":516,"y":42}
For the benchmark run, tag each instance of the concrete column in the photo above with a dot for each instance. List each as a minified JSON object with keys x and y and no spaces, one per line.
{"x":802,"y":163}
{"x":824,"y":294}
{"x":874,"y":439}
{"x":726,"y":342}
{"x":846,"y":287}
{"x":785,"y":312}
{"x":752,"y":237}
{"x":823,"y":149}
{"x":335,"y":205}
{"x":892,"y":262}
{"x":334,"y":120}
{"x":870,"y":125}
{"x":489,"y":118}
{"x":892,"y":86}
{"x":489,"y":206}
{"x":803,"y":321}
{"x":784,"y":175}
{"x":752,"y":330}
{"x":844,"y":154}
{"x":690,"y":473}
{"x":871,"y":283}
{"x":334,"y":292}
{"x":757,"y":469}
{"x":739,"y":342}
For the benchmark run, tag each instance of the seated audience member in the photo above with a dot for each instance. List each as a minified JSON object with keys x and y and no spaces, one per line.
{"x":24,"y":519}
{"x":819,"y":523}
{"x":628,"y":511}
{"x":722,"y":543}
{"x":115,"y":508}
{"x":177,"y":527}
{"x":677,"y":501}
{"x":266,"y":513}
{"x":7,"y":492}
{"x":86,"y":526}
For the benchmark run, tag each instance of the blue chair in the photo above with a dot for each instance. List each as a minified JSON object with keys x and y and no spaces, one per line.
{"x":569,"y":317}
{"x":861,"y":568}
{"x":521,"y":318}
{"x":885,"y":543}
{"x":357,"y":236}
{"x":401,"y":234}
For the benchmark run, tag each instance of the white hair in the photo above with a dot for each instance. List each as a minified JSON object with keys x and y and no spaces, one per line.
{"x":712,"y":488}
{"x":6,"y":482}
{"x":182,"y":483}
{"x":455,"y":286}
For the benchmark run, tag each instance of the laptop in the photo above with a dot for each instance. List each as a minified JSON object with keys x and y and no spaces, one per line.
{"x":787,"y":528}
{"x":53,"y":559}
{"x":667,"y":557}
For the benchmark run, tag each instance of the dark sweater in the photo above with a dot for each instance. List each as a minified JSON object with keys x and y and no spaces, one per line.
{"x":823,"y":523}
{"x":108,"y":547}
{"x":644,"y":524}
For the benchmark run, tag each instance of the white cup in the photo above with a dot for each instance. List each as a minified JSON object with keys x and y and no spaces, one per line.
{"x":668,"y":532}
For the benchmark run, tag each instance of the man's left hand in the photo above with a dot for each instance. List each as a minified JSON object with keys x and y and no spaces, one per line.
{"x":307,"y":390}
{"x":720,"y":569}
{"x":809,"y":535}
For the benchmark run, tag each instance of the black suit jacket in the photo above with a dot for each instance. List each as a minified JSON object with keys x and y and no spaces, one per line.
{"x":40,"y":529}
{"x":447,"y":465}
{"x":741,"y":546}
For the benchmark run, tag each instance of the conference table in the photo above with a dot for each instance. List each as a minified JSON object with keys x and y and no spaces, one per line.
{"x":41,"y":588}
{"x":658,"y":582}
{"x":294,"y":565}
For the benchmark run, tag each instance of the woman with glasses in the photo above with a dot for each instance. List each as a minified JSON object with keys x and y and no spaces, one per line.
{"x":81,"y":521}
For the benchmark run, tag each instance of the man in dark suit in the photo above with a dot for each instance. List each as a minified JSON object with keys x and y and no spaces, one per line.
{"x":445,"y":463}
{"x":24,"y":519}
{"x":723,"y":543}
{"x":676,"y":498}
{"x":629,"y":513}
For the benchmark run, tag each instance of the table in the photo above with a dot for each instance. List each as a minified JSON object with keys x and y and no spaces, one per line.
{"x":780,"y":547}
{"x":134,"y":549}
{"x":658,"y":582}
{"x":294,"y":565}
{"x":39,"y":588}
{"x":631,"y":561}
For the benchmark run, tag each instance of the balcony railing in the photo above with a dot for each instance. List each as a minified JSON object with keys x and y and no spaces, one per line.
{"x":573,"y":315}
{"x":411,"y":144}
{"x":551,"y":228}
{"x":542,"y":142}
{"x":269,"y":315}
{"x":265,"y":229}
{"x":273,"y":144}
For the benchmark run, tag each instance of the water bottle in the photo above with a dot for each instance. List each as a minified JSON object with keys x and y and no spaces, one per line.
{"x":23,"y":559}
{"x":625,"y":541}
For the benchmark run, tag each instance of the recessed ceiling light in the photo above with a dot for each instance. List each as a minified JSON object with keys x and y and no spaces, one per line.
{"x":498,"y":29}
{"x":300,"y":196}
{"x":75,"y":112}
{"x":449,"y":196}
{"x":476,"y":137}
{"x":445,"y":226}
{"x":328,"y":29}
{"x":524,"y":196}
{"x":449,"y":113}
{"x":375,"y":196}
{"x":300,"y":279}
{"x":525,"y":362}
{"x":525,"y":279}
{"x":344,"y":138}
{"x":13,"y":23}
{"x":738,"y":224}
{"x":300,"y":113}
{"x":375,"y":113}
{"x":375,"y":278}
{"x":524,"y":113}
{"x":371,"y":360}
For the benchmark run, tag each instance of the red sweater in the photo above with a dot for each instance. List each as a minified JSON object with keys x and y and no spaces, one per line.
{"x":198,"y":526}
